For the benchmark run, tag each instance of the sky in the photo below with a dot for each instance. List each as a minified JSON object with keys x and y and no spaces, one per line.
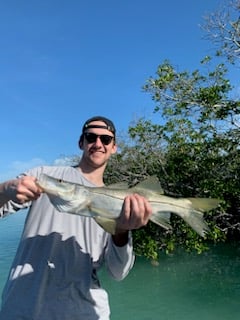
{"x":63,"y":61}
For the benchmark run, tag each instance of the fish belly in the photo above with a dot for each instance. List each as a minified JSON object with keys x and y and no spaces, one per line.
{"x":105,"y":206}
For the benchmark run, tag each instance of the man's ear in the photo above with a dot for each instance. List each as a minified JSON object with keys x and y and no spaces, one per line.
{"x":114,"y":149}
{"x":80,"y":143}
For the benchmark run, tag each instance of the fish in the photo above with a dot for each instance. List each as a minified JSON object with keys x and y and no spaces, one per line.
{"x":104,"y":204}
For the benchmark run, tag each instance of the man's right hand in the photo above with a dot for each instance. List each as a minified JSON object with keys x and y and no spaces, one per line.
{"x":19,"y":190}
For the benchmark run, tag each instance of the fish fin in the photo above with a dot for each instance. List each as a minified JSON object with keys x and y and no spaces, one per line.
{"x":70,"y":206}
{"x":204,"y":204}
{"x":198,"y":207}
{"x":107,"y":224}
{"x":61,"y":204}
{"x":196,"y":221}
{"x":151,"y":184}
{"x":162,"y":219}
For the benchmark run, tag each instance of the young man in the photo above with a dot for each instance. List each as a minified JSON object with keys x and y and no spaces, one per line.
{"x":54,"y":273}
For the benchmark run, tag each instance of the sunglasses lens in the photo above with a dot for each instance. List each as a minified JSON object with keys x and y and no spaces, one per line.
{"x":92,"y":137}
{"x":105,"y":139}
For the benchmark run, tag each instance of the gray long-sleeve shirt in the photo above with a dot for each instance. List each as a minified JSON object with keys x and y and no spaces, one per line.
{"x":54,"y":273}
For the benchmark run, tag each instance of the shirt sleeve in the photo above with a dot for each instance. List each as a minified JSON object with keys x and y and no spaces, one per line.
{"x":119,"y":260}
{"x":12,"y":207}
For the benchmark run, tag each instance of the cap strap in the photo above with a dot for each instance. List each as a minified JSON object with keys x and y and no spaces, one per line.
{"x":98,"y":126}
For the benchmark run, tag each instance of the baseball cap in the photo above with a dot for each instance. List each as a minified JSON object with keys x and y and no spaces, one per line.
{"x":109,"y":125}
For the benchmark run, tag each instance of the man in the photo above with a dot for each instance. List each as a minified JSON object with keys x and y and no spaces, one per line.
{"x":54,"y":273}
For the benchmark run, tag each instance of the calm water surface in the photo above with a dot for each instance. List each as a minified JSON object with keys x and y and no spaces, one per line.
{"x":183,"y":286}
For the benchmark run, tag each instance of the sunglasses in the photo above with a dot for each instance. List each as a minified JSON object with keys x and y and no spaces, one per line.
{"x":92,"y":137}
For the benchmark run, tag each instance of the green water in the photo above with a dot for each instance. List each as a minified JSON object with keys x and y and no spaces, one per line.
{"x":183,"y":286}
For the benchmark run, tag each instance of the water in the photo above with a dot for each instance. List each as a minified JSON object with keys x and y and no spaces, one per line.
{"x":183,"y":286}
{"x":10,"y":232}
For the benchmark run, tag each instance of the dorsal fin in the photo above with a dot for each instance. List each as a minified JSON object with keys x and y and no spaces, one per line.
{"x":152,"y":184}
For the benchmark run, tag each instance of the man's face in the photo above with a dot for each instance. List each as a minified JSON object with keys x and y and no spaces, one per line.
{"x":98,"y":145}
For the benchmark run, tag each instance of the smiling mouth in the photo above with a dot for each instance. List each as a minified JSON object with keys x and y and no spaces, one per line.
{"x":96,"y":151}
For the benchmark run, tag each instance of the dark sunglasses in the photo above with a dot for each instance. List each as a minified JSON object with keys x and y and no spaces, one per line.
{"x":92,"y":137}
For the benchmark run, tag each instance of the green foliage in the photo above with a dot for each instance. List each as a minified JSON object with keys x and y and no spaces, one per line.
{"x":145,"y":244}
{"x":194,"y":151}
{"x":193,"y":147}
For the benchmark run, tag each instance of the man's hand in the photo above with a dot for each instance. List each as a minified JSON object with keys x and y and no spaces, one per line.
{"x":136,"y":212}
{"x":21,"y":190}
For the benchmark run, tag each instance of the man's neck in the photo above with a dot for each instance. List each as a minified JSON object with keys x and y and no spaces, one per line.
{"x":94,"y":175}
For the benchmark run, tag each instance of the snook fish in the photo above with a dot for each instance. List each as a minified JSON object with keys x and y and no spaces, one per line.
{"x":104,"y":203}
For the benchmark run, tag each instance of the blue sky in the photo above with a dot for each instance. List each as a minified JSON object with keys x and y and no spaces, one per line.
{"x":64,"y":61}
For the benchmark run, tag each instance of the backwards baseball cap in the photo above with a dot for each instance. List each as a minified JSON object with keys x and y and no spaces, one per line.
{"x":108,"y":124}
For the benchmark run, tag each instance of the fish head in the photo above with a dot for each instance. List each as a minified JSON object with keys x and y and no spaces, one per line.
{"x":65,"y":196}
{"x":54,"y":186}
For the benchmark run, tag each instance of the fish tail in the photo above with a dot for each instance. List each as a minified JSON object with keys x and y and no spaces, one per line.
{"x":204,"y":204}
